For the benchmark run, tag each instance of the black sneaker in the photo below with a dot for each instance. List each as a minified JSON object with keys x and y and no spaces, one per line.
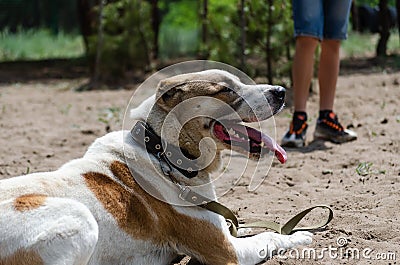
{"x":296,"y":135}
{"x":328,"y":128}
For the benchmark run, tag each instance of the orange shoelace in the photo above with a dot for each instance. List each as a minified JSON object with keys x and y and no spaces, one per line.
{"x":333,"y":125}
{"x":300,"y":130}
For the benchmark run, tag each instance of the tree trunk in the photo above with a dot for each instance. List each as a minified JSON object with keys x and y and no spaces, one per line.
{"x":242,"y":35}
{"x":384,"y":25}
{"x":204,"y":15}
{"x":146,"y":48}
{"x":398,"y":16}
{"x":100,"y":36}
{"x":155,"y":24}
{"x":354,"y":15}
{"x":85,"y":20}
{"x":268,"y":44}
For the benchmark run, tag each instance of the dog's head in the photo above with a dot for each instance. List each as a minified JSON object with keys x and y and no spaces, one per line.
{"x":204,"y":112}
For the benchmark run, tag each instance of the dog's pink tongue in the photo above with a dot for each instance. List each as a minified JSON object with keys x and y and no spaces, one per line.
{"x":280,"y":153}
{"x":269,"y":143}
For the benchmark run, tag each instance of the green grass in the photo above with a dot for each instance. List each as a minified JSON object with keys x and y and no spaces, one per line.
{"x":42,"y":44}
{"x":39,"y":44}
{"x":359,"y":45}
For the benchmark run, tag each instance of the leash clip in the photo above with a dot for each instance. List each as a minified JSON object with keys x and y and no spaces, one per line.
{"x":184,"y":193}
{"x":166,"y":167}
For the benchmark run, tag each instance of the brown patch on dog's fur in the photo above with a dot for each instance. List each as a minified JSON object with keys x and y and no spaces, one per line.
{"x":122,"y":172}
{"x":29,"y":202}
{"x":145,"y":217}
{"x":117,"y":200}
{"x":22,"y":257}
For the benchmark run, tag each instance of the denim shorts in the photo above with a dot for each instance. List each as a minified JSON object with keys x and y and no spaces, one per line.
{"x":322,"y":19}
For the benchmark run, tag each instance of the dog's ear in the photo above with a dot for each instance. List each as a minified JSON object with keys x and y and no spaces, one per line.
{"x":169,"y":94}
{"x":172,"y":91}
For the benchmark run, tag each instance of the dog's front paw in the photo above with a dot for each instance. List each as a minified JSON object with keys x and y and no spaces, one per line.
{"x":276,"y":243}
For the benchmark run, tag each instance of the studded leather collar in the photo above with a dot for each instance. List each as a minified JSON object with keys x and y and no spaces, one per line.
{"x":172,"y":155}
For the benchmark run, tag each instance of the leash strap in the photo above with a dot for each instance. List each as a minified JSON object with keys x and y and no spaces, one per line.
{"x":288,"y":228}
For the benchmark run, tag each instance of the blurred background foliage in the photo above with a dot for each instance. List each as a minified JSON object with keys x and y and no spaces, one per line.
{"x":119,"y":36}
{"x":126,"y":38}
{"x":179,"y":29}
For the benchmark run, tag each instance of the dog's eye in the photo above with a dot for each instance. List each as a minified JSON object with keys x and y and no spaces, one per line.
{"x":226,"y":90}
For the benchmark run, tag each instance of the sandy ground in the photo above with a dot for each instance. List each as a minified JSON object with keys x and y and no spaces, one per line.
{"x":44,"y":123}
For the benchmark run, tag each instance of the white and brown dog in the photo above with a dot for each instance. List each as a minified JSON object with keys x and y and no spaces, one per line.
{"x":93,"y":211}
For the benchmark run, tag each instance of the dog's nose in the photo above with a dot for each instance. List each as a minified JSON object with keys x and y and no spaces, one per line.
{"x":278,"y":92}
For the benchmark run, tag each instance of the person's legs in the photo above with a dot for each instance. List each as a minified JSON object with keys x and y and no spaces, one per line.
{"x":336,"y":14}
{"x":308,"y":18}
{"x":308,"y":26}
{"x":302,"y":73}
{"x":302,"y":70}
{"x":328,"y":126}
{"x":328,"y":73}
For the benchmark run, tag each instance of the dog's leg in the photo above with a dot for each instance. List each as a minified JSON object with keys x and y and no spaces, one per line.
{"x":255,"y":249}
{"x":211,"y":243}
{"x":35,"y":229}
